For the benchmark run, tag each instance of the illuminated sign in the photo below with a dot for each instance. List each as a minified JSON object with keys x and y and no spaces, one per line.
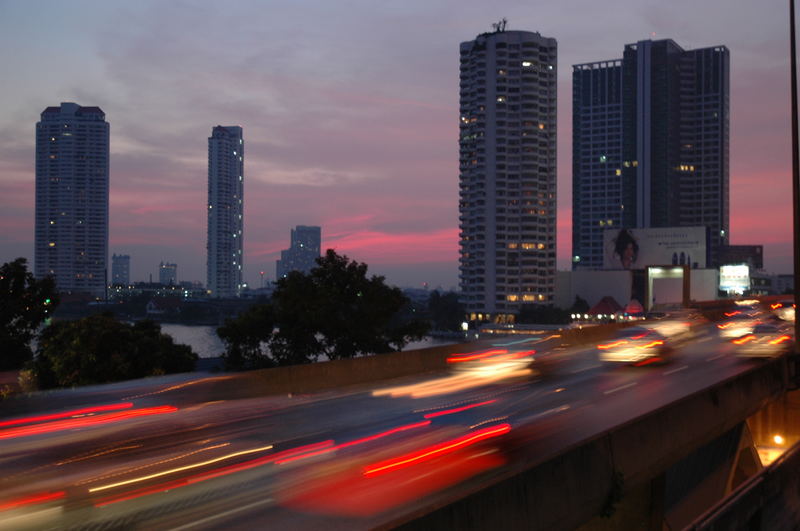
{"x":734,"y":278}
{"x":639,"y":248}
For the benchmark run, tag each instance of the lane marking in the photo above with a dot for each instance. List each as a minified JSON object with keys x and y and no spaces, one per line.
{"x":620,"y":388}
{"x":718,"y":356}
{"x":221,"y":515}
{"x":590,"y":367}
{"x":673,"y":371}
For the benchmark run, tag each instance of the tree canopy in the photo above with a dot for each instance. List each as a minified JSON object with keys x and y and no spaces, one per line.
{"x":335,"y":311}
{"x":25,"y":302}
{"x":247,"y":338}
{"x":446,"y":312}
{"x":100,"y":349}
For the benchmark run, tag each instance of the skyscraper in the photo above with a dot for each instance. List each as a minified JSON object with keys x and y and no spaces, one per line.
{"x":302,"y":253}
{"x":121,"y":269}
{"x":225,"y":211}
{"x":650,"y":145}
{"x":71,"y":235}
{"x":168,"y":274}
{"x":507,"y":172}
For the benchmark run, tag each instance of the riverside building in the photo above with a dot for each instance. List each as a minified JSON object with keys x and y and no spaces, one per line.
{"x":507,"y":172}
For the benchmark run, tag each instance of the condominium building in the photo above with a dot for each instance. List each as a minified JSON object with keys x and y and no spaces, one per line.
{"x":72,"y":176}
{"x":167,"y":274}
{"x":121,"y":269}
{"x":507,"y":172}
{"x":650,"y":145}
{"x":225,"y":211}
{"x":302,"y":253}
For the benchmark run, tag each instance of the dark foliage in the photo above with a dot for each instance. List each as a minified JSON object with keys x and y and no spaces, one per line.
{"x":99,"y":349}
{"x":446,"y":312}
{"x":333,"y":312}
{"x":246,"y":339}
{"x":25,"y":303}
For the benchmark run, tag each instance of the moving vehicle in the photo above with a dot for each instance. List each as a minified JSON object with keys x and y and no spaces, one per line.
{"x":636,"y":345}
{"x":737,"y":323}
{"x":764,"y":341}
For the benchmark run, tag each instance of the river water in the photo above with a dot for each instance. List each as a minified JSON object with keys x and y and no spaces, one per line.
{"x":204,"y":339}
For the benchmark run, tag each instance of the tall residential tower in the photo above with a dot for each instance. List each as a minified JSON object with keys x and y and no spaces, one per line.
{"x":507,"y":173}
{"x":650,"y":145}
{"x":71,"y":235}
{"x":225,"y":211}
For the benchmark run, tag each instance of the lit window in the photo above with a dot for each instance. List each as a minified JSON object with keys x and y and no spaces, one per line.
{"x":540,"y":246}
{"x":529,"y":246}
{"x":602,"y":158}
{"x":529,"y":298}
{"x":526,"y":63}
{"x":618,"y":172}
{"x":512,"y":245}
{"x":52,"y":244}
{"x":501,"y":99}
{"x":635,"y":163}
{"x":512,"y":298}
{"x":610,"y":222}
{"x":541,"y":126}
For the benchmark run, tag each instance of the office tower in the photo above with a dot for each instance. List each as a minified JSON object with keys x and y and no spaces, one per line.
{"x":71,"y":240}
{"x":121,"y":269}
{"x":168,"y":274}
{"x":302,"y":253}
{"x":507,"y":172}
{"x":225,"y":211}
{"x":650,"y":145}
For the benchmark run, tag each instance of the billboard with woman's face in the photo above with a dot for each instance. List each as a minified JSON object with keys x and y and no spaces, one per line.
{"x":639,"y":248}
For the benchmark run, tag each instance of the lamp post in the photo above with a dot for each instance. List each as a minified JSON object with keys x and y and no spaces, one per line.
{"x":795,"y":173}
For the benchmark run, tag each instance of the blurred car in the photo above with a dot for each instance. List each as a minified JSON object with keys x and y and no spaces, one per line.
{"x":784,"y":310}
{"x":737,"y":323}
{"x":637,"y":345}
{"x":764,"y":341}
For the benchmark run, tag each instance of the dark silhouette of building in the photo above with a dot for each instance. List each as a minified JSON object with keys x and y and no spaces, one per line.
{"x":71,"y":241}
{"x":302,"y":253}
{"x":650,"y":145}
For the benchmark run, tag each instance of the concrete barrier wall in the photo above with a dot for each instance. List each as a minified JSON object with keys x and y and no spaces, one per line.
{"x":571,"y":488}
{"x":368,"y":369}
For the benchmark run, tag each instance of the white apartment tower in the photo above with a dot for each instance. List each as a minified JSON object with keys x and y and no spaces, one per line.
{"x":507,"y":173}
{"x":225,"y":211}
{"x":71,"y":233}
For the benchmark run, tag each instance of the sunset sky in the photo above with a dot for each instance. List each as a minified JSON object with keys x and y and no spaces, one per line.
{"x":350,"y":117}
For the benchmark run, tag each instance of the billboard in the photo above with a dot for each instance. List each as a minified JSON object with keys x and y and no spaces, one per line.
{"x":734,"y":278}
{"x":639,"y":248}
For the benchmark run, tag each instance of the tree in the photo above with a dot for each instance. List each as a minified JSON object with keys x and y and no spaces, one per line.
{"x":542,"y":314}
{"x":579,"y":306}
{"x":338,"y":312}
{"x":247,"y":337}
{"x":446,"y":312}
{"x":100,"y":349}
{"x":25,"y":302}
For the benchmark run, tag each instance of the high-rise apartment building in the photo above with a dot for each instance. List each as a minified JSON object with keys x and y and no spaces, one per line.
{"x":507,"y":172}
{"x":650,"y":145}
{"x":302,"y":253}
{"x":225,"y":211}
{"x":121,"y":269}
{"x":71,"y":235}
{"x":168,"y":274}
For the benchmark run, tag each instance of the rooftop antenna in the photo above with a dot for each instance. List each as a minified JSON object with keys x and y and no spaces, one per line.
{"x":500,"y":27}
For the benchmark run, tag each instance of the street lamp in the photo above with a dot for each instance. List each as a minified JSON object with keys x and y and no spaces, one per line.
{"x":795,"y":172}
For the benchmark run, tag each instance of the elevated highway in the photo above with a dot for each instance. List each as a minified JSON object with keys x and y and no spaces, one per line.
{"x":572,"y":443}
